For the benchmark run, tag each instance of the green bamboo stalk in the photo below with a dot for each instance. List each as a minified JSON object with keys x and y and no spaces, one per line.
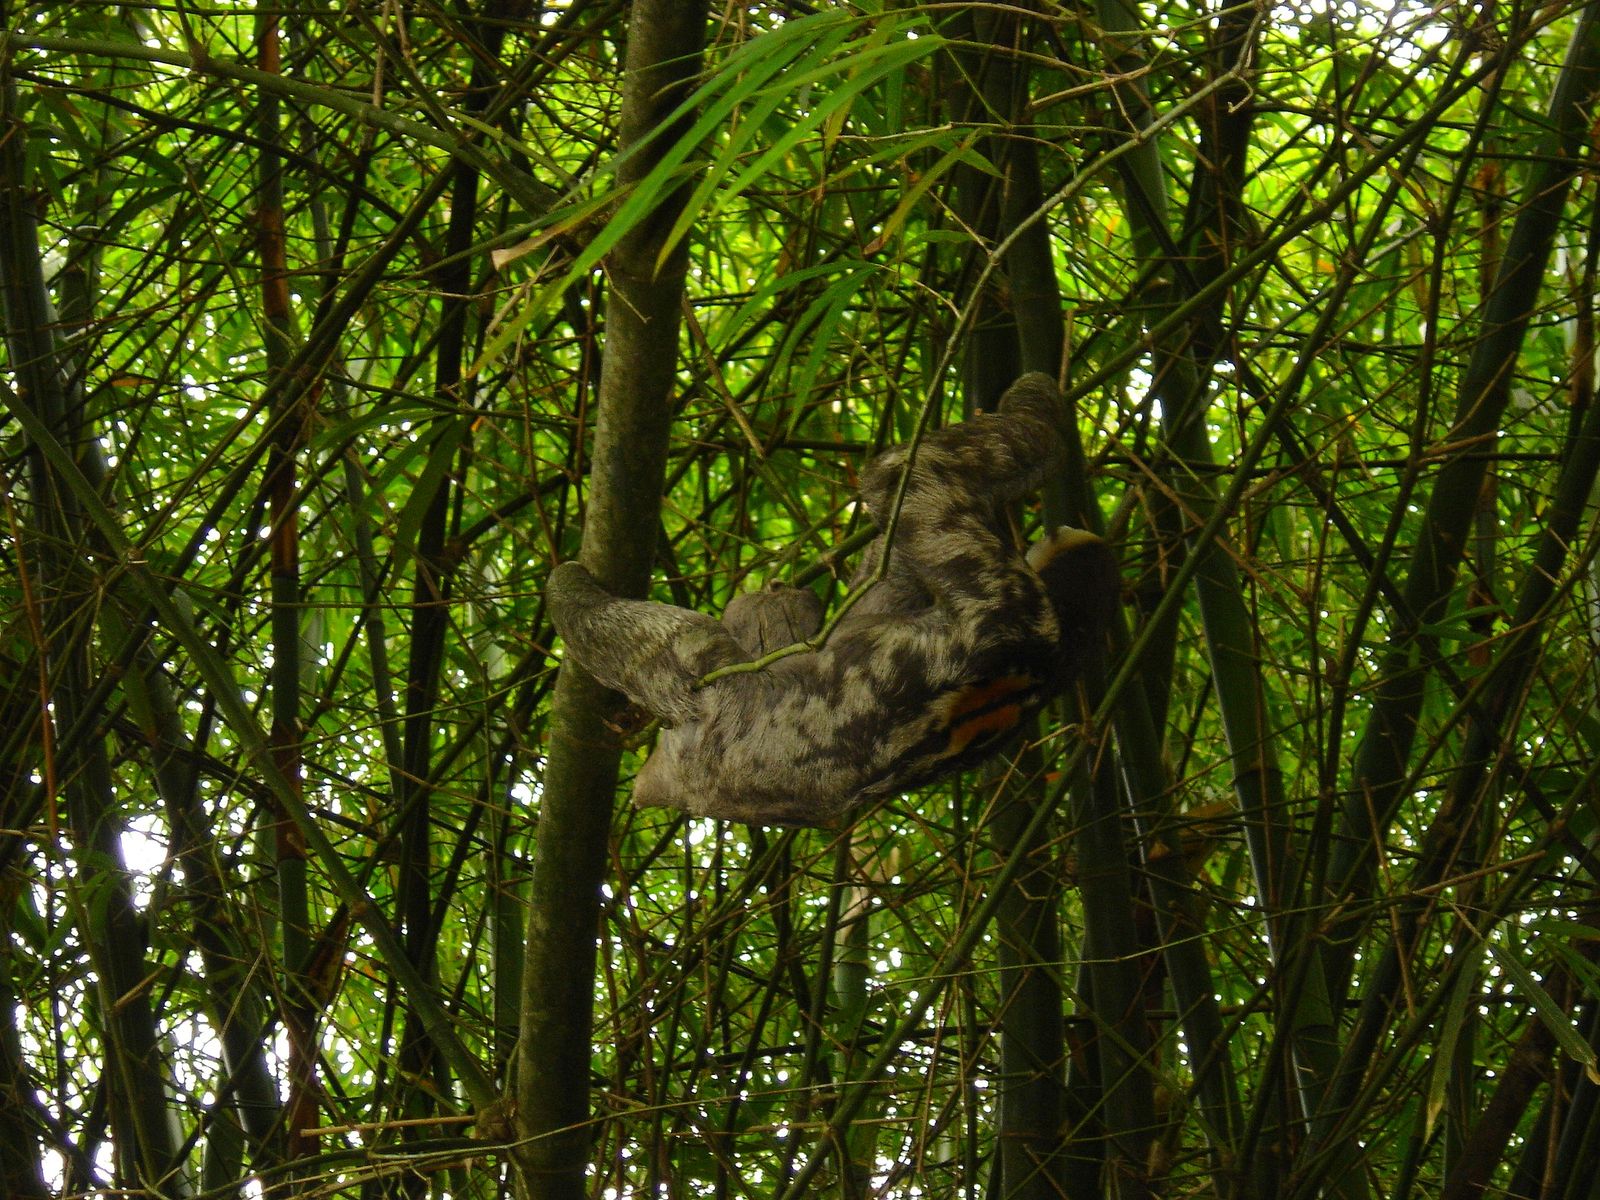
{"x":102,"y":894}
{"x":1466,"y":801}
{"x":176,"y":620}
{"x":249,"y":1104}
{"x":21,"y":1165}
{"x":1378,"y":774}
{"x":1230,"y":635}
{"x":1190,"y":971}
{"x":1122,"y":1038}
{"x":287,"y":427}
{"x":857,"y":1149}
{"x":237,"y":1009}
{"x":433,"y":583}
{"x":664,"y":46}
{"x":1018,"y":326}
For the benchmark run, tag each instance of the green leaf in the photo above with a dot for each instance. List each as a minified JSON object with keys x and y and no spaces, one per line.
{"x":861,"y":71}
{"x":764,"y":74}
{"x":1544,"y":1006}
{"x":441,"y":457}
{"x":1448,"y":1034}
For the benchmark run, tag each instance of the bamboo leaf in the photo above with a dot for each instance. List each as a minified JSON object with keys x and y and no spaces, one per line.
{"x":765,"y":74}
{"x":924,"y":181}
{"x":861,"y":70}
{"x":1448,"y":1036}
{"x":1548,"y":1011}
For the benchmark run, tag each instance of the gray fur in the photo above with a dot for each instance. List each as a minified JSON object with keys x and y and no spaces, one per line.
{"x":928,"y":673}
{"x":769,"y":620}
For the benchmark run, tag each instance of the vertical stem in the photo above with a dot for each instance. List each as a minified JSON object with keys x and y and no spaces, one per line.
{"x":664,"y":45}
{"x":110,"y":924}
{"x":1379,"y":771}
{"x":1018,"y":326}
{"x":286,"y":431}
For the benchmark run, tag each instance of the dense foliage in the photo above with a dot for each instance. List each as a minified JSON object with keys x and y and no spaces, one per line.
{"x":310,"y":317}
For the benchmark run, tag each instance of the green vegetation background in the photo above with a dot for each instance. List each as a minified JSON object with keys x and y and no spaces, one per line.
{"x":330,"y":329}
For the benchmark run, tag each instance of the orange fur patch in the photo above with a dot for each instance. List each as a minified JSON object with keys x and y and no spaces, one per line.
{"x":988,"y":708}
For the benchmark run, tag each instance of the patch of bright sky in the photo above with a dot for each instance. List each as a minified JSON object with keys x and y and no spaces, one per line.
{"x":1406,"y":32}
{"x":144,"y":850}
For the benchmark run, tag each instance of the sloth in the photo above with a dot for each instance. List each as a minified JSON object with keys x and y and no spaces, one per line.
{"x":929,"y":671}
